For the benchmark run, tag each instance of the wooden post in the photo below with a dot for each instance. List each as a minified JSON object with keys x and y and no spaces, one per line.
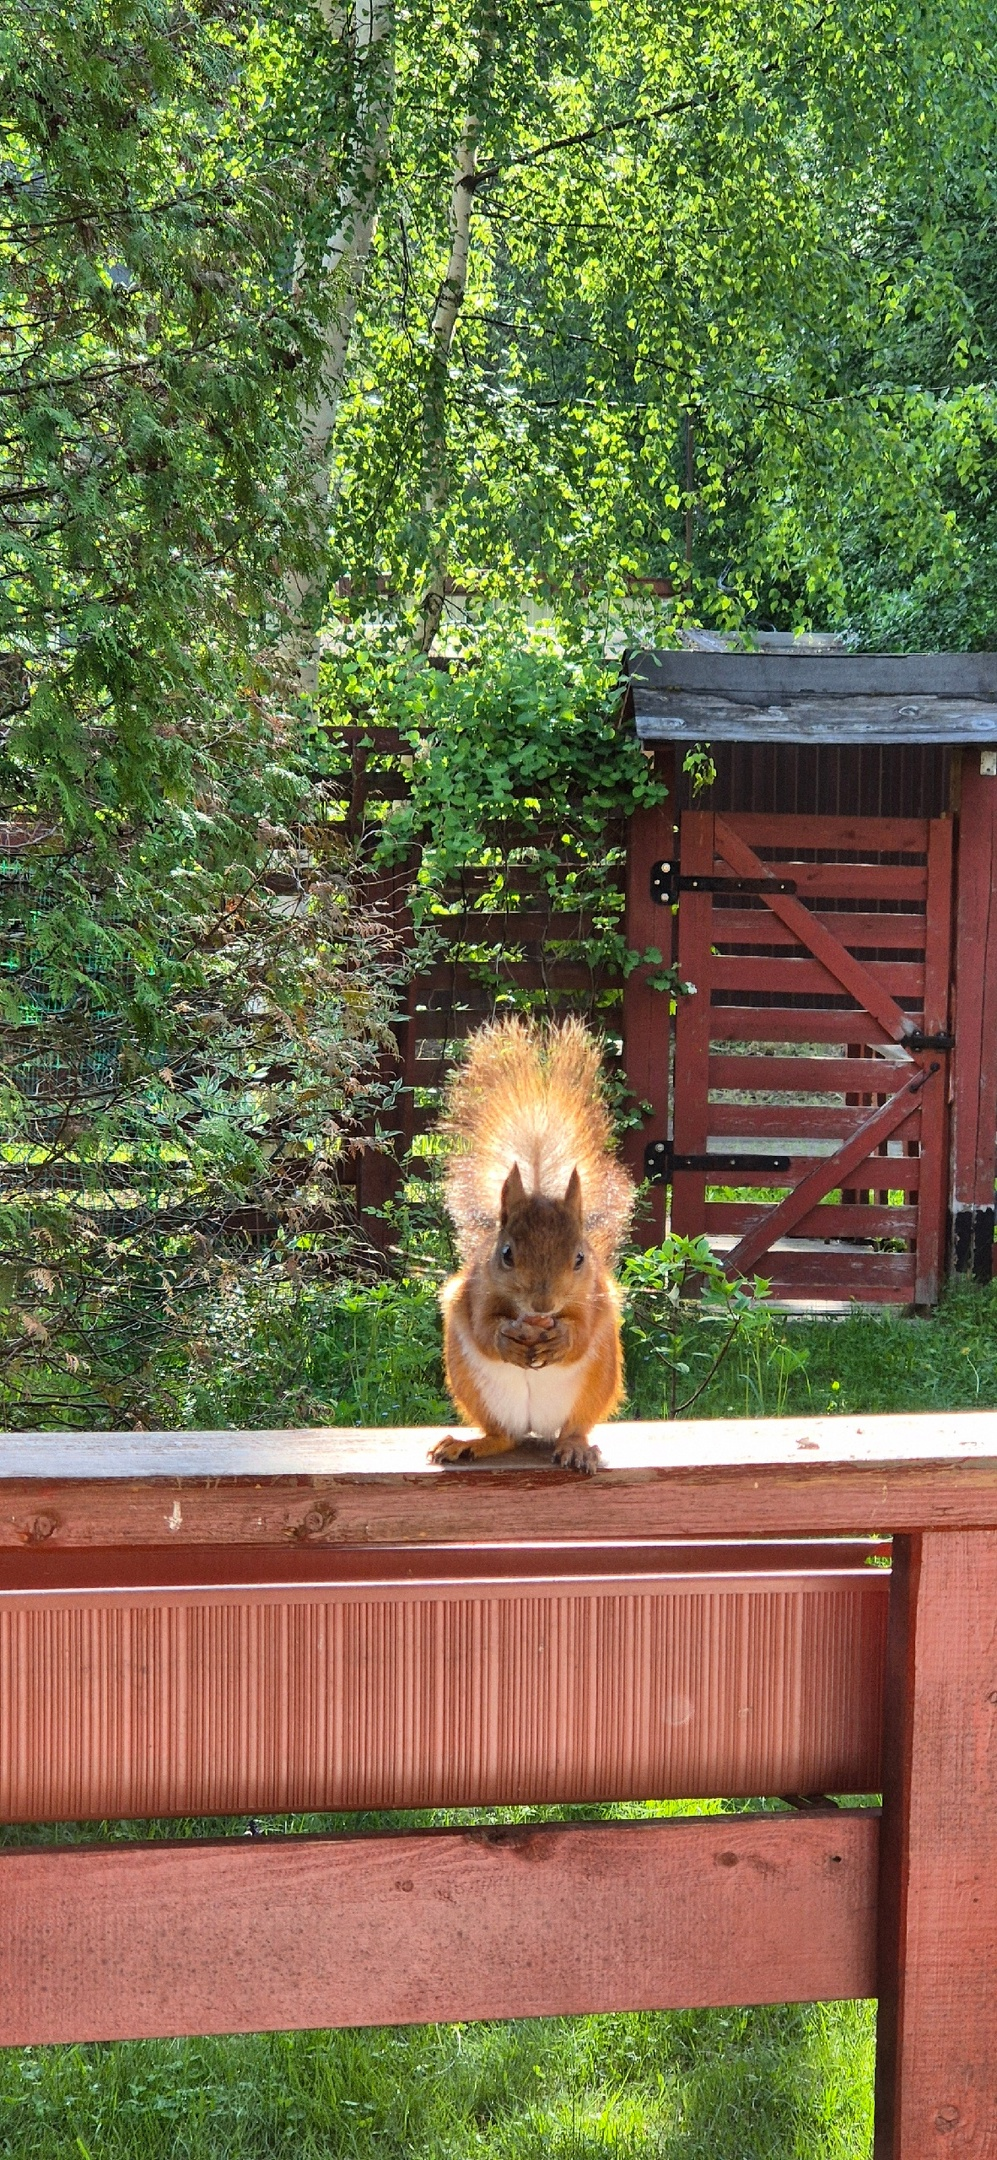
{"x":379,"y":1169}
{"x":974,"y":1064}
{"x":646,"y":1022}
{"x":936,"y":2079}
{"x":691,"y":1118}
{"x":934,"y":1105}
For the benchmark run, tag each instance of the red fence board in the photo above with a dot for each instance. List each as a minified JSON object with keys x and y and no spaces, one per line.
{"x":808,"y":1075}
{"x":974,"y":1092}
{"x":857,"y":1277}
{"x":860,"y":836}
{"x":766,"y":1122}
{"x":831,"y":1220}
{"x":646,"y":1025}
{"x":131,"y":1942}
{"x":780,"y":1023}
{"x":759,"y":972}
{"x":758,"y":926}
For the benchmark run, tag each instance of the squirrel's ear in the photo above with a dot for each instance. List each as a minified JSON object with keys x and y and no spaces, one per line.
{"x":513,"y":1193}
{"x":573,"y":1197}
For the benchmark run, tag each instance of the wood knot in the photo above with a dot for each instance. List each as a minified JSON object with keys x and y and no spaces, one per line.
{"x":312,"y":1525}
{"x":947,"y":2118}
{"x":41,"y":1528}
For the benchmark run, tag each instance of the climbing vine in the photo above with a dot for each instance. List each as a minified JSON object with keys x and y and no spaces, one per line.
{"x":520,"y":776}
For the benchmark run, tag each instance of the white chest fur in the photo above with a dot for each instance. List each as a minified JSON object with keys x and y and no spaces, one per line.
{"x":524,"y":1402}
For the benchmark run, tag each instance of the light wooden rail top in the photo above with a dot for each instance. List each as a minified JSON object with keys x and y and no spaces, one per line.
{"x":383,"y":1451}
{"x":729,"y":1478}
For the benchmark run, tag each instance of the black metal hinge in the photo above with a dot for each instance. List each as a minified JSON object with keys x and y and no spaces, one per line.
{"x":915,"y":1039}
{"x":661,"y":1162}
{"x":667,"y":882}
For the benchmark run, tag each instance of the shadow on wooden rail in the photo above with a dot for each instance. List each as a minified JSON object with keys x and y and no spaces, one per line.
{"x":321,"y":1620}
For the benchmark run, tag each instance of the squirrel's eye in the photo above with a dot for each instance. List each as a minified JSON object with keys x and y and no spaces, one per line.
{"x":579,"y":1260}
{"x":507,"y":1256}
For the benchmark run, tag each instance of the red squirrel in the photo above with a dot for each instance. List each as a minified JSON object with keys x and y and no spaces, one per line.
{"x":531,"y":1325}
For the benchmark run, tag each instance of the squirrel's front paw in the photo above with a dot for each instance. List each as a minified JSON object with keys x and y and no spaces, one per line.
{"x":535,"y":1340}
{"x":574,"y":1452}
{"x":513,"y":1351}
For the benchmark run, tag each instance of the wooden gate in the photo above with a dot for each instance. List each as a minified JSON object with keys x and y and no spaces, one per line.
{"x":810,"y":1089}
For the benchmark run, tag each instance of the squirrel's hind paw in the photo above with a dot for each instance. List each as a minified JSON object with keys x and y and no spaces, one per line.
{"x":574,"y":1452}
{"x":469,"y":1447}
{"x":454,"y":1447}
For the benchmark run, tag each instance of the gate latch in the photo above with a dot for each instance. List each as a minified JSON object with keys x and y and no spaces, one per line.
{"x":661,"y":1162}
{"x":916,"y":1039}
{"x":668,"y":881}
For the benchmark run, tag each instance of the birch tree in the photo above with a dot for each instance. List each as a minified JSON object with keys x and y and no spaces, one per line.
{"x":364,"y":36}
{"x":772,"y":217}
{"x":449,"y":301}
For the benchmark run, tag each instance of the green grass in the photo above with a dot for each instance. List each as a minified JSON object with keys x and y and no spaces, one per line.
{"x":698,"y":2085}
{"x":275,"y":1351}
{"x":875,"y":1363}
{"x":786,"y":2083}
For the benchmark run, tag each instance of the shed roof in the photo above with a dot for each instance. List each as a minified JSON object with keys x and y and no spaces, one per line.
{"x":804,"y":697}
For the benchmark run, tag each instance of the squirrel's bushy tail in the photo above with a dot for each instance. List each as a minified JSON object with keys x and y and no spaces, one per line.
{"x":532,"y":1095}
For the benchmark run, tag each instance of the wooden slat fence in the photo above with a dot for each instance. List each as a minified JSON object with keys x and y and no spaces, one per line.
{"x":495,"y":939}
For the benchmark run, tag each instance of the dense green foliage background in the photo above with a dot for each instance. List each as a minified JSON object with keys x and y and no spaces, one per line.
{"x":699,"y":294}
{"x":169,"y":1047}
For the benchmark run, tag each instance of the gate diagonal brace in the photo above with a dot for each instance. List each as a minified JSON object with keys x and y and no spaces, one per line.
{"x":853,"y":975}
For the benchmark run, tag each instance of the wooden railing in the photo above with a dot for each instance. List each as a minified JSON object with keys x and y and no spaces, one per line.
{"x":254,"y":1622}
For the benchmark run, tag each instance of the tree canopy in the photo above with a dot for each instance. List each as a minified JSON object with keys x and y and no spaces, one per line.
{"x":725,"y":294}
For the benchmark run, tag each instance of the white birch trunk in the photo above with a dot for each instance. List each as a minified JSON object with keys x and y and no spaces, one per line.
{"x":348,"y":245}
{"x":369,"y":25}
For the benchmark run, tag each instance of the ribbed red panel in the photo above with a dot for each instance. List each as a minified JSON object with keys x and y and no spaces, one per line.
{"x":467,"y":1679}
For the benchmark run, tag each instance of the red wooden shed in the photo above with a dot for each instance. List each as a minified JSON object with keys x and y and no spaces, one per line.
{"x":823,"y":1097}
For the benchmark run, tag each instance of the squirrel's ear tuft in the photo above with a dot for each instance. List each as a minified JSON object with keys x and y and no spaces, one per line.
{"x":513,"y":1193}
{"x":573,"y":1197}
